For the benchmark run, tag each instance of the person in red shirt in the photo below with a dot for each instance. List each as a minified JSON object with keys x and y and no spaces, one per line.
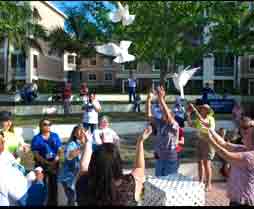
{"x":67,"y":98}
{"x":179,"y":147}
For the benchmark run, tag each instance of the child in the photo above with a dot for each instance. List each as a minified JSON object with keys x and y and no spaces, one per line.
{"x":37,"y":192}
{"x":137,"y":102}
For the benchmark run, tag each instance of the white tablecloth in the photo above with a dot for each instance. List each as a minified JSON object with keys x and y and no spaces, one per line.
{"x":173,"y":190}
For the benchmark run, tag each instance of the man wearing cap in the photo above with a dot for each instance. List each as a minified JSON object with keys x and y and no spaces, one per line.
{"x":204,"y":117}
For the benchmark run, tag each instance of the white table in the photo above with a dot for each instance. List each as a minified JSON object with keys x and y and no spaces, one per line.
{"x":173,"y":190}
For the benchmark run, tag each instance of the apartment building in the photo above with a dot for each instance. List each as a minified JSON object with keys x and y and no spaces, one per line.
{"x":36,"y":65}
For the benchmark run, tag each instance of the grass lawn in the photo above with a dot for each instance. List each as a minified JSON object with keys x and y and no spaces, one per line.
{"x":33,"y":120}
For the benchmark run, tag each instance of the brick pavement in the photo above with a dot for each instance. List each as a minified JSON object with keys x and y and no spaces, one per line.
{"x":217,"y":196}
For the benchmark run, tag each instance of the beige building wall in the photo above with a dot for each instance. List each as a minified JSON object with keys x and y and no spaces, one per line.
{"x":50,"y":17}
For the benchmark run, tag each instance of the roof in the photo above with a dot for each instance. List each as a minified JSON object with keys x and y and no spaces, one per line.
{"x":54,"y":8}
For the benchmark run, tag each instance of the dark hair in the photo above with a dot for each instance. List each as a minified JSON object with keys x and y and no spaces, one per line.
{"x":105,"y":167}
{"x":41,"y":123}
{"x":72,"y":136}
{"x":199,"y":102}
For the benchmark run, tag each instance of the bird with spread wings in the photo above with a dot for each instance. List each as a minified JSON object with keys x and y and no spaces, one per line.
{"x":181,"y":79}
{"x":120,"y":52}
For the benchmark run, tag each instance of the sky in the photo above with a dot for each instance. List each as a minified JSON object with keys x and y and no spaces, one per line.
{"x":61,"y":4}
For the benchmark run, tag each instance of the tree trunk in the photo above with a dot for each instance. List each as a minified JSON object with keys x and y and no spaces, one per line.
{"x":163,"y":71}
{"x":7,"y":74}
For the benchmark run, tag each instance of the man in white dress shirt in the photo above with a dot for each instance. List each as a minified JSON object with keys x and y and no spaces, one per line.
{"x":132,"y":84}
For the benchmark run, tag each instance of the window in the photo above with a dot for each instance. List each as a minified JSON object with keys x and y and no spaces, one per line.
{"x":35,"y":61}
{"x":71,"y":59}
{"x":107,"y":61}
{"x":251,"y":63}
{"x":156,"y":65}
{"x":92,"y":77}
{"x":224,"y":64}
{"x":108,"y":77}
{"x":130,"y":65}
{"x":93,"y":61}
{"x":14,"y":59}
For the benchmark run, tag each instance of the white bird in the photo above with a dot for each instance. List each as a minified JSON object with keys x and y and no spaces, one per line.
{"x":120,"y":52}
{"x":180,"y":80}
{"x":122,"y":14}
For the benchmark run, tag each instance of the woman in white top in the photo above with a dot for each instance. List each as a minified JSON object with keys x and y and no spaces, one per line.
{"x":91,"y":109}
{"x":105,"y":134}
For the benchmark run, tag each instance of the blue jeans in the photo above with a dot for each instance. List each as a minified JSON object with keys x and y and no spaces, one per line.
{"x":89,"y":125}
{"x":166,"y":167}
{"x":132,"y":93}
{"x":70,"y":194}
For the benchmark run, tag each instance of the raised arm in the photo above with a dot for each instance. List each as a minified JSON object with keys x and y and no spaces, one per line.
{"x":149,"y":106}
{"x":165,"y":109}
{"x":227,"y":145}
{"x":234,"y":157}
{"x":87,"y":154}
{"x":139,"y":165}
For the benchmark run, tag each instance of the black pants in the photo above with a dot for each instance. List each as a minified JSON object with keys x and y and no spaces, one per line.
{"x":81,"y":190}
{"x":51,"y":180}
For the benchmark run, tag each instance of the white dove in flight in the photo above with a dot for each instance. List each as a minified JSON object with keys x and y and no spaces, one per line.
{"x":180,"y":80}
{"x":122,"y":14}
{"x":120,"y":52}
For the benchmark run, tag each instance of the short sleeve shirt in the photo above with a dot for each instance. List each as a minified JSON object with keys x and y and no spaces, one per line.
{"x":132,"y":82}
{"x":47,"y":148}
{"x":109,"y":134}
{"x":90,"y":115}
{"x":240,"y":184}
{"x":166,"y":140}
{"x":12,"y":141}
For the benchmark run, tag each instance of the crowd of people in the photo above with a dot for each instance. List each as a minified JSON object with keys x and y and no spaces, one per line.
{"x":92,"y":169}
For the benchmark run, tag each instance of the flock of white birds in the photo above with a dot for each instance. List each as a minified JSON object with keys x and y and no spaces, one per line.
{"x":121,"y":54}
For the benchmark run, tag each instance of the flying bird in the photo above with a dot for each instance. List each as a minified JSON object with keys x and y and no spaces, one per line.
{"x":180,"y":80}
{"x":120,"y":52}
{"x":122,"y":14}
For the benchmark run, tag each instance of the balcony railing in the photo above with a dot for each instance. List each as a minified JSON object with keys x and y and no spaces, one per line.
{"x":224,"y":71}
{"x":20,"y":72}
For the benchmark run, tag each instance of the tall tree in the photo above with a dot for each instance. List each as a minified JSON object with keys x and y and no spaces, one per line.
{"x":86,"y":25}
{"x":166,"y":31}
{"x":18,"y":28}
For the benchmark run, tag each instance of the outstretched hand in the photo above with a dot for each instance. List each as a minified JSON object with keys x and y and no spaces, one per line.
{"x":147,"y":132}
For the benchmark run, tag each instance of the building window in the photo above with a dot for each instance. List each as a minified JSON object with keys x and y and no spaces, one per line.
{"x":92,"y":77}
{"x":131,"y":66}
{"x":224,"y":64}
{"x":107,"y":61}
{"x":35,"y":61}
{"x":251,"y":63}
{"x":14,"y":60}
{"x":71,"y":59}
{"x":108,"y":77}
{"x":156,"y":65}
{"x":93,"y":61}
{"x":223,"y":85}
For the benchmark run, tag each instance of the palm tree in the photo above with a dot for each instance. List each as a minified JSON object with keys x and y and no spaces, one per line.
{"x":85,"y":25}
{"x":18,"y":27}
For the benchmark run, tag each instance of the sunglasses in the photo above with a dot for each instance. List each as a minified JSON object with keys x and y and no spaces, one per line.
{"x":46,"y":124}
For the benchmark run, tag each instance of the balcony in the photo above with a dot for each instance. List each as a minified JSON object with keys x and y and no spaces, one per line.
{"x":224,"y":71}
{"x":20,"y":72}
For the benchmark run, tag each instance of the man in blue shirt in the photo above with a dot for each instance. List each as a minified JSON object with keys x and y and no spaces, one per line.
{"x":46,"y":148}
{"x":132,"y":84}
{"x":205,"y":92}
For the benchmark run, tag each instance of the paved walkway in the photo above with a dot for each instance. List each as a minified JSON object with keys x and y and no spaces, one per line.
{"x":217,"y":196}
